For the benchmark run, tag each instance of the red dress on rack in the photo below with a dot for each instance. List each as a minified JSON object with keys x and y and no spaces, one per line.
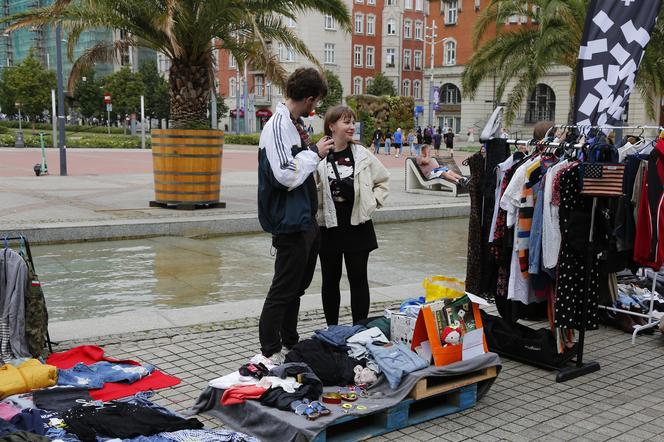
{"x":648,"y":244}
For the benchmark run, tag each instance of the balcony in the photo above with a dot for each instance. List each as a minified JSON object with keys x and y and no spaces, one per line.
{"x":389,"y":65}
{"x":263,"y":100}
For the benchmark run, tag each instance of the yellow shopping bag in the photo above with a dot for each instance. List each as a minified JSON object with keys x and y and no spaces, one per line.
{"x":443,"y":287}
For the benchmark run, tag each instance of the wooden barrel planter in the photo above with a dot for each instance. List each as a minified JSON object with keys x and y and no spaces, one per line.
{"x":187,"y":168}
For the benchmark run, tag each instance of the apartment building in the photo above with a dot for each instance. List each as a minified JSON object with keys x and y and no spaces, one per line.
{"x":15,"y":46}
{"x":452,"y":48}
{"x":387,"y":36}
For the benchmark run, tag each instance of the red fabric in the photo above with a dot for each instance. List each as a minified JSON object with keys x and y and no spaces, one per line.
{"x":89,"y":354}
{"x":237,"y":395}
{"x":643,"y":253}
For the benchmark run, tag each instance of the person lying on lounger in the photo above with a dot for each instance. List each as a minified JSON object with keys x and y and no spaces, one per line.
{"x":431,"y":169}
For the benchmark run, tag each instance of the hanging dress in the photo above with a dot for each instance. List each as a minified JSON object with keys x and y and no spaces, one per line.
{"x":572,"y":261}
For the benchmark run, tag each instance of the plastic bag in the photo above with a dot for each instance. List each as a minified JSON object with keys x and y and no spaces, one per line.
{"x":443,"y":287}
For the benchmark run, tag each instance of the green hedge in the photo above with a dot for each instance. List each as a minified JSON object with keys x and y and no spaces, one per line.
{"x":90,"y":141}
{"x":12,"y":124}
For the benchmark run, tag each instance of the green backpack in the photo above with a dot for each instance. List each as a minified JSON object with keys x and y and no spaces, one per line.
{"x":36,"y":315}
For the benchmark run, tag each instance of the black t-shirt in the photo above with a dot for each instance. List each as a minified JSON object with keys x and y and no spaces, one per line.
{"x":342,"y":188}
{"x":345,"y":237}
{"x":449,"y":139}
{"x":378,"y":135}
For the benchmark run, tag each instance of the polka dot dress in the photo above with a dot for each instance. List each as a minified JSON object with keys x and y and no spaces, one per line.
{"x":572,"y":265}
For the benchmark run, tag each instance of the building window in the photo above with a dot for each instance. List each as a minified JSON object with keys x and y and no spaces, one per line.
{"x":408,"y":4}
{"x":419,"y":5}
{"x":371,"y":24}
{"x":477,"y":5}
{"x":541,"y":105}
{"x":371,"y":2}
{"x":290,"y":54}
{"x":390,"y":2}
{"x":329,"y":53}
{"x":419,"y":26}
{"x":450,"y":94}
{"x":417,"y":55}
{"x":371,"y":52}
{"x":358,"y":56}
{"x":258,"y":86}
{"x":232,"y":63}
{"x":391,"y":27}
{"x":406,"y":88}
{"x":290,"y":23}
{"x":513,"y":19}
{"x":280,"y":51}
{"x":232,"y":87}
{"x":369,"y":82}
{"x":450,"y":53}
{"x":357,"y":86}
{"x":452,"y":13}
{"x":417,"y":89}
{"x":407,"y":29}
{"x":391,"y":58}
{"x":329,"y":22}
{"x":359,"y":23}
{"x":406,"y":59}
{"x":359,"y":1}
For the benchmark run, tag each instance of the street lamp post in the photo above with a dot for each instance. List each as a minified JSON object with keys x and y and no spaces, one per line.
{"x":431,"y":67}
{"x":61,"y":101}
{"x":19,"y":135}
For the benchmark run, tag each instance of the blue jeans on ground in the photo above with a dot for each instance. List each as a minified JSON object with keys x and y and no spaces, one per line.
{"x":97,"y":374}
{"x":396,"y":360}
{"x":388,"y":145}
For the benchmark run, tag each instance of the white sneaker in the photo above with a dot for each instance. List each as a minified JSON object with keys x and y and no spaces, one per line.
{"x":278,"y":358}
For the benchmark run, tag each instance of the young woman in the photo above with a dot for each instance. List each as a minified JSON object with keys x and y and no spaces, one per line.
{"x":352,"y":184}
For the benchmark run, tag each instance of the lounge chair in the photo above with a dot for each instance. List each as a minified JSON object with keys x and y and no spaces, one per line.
{"x":416,"y":182}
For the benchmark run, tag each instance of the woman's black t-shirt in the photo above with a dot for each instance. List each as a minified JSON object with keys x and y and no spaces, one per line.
{"x":345,"y":237}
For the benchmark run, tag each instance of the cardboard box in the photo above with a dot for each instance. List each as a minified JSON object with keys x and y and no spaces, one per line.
{"x":427,"y":328}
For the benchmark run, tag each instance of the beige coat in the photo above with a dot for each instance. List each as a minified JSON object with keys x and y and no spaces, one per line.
{"x":370,"y":183}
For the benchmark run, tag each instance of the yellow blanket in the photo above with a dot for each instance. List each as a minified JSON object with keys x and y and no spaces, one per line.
{"x":30,"y":375}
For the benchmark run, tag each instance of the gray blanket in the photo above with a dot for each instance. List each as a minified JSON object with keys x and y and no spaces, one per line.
{"x":271,"y":424}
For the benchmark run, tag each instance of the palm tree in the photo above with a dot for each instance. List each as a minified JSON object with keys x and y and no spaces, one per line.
{"x":522,"y":56}
{"x":186,"y":31}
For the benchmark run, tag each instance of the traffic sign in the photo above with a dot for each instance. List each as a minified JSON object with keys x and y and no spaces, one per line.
{"x":107,"y":98}
{"x":109,"y":107}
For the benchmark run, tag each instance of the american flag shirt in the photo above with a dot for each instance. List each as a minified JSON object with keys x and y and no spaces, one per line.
{"x":602,"y":179}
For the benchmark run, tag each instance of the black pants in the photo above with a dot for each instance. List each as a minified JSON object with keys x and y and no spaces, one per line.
{"x":356,"y":268}
{"x":293,"y":271}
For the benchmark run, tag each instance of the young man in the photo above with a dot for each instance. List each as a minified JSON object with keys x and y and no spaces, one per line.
{"x":377,"y":139}
{"x":437,"y":141}
{"x":449,"y":141}
{"x":287,"y":206}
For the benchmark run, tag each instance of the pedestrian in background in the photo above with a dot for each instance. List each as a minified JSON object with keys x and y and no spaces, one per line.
{"x":449,"y":141}
{"x":287,"y":207}
{"x":426,"y":138}
{"x":398,"y":142}
{"x":352,"y":184}
{"x":377,"y":139}
{"x":411,"y":142}
{"x":437,"y":141}
{"x":388,"y":141}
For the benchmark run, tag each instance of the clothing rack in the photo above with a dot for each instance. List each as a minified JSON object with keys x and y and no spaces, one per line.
{"x":24,"y":241}
{"x":579,"y":368}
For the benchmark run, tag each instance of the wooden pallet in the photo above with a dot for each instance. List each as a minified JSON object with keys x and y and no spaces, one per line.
{"x":404,"y":414}
{"x":431,"y":386}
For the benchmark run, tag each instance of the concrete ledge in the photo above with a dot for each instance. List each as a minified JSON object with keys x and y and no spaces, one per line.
{"x":152,"y":319}
{"x":202,"y":225}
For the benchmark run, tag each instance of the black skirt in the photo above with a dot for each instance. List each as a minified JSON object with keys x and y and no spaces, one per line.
{"x":346,"y":238}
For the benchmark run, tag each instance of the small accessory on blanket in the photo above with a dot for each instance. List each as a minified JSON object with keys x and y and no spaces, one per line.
{"x":331,"y":398}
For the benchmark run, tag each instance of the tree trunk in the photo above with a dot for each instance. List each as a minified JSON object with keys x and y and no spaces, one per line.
{"x":189,"y":93}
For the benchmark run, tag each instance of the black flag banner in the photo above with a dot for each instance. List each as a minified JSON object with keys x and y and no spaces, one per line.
{"x":615,"y":36}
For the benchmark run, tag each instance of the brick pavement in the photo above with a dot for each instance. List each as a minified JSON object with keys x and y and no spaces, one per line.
{"x":623,"y":402}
